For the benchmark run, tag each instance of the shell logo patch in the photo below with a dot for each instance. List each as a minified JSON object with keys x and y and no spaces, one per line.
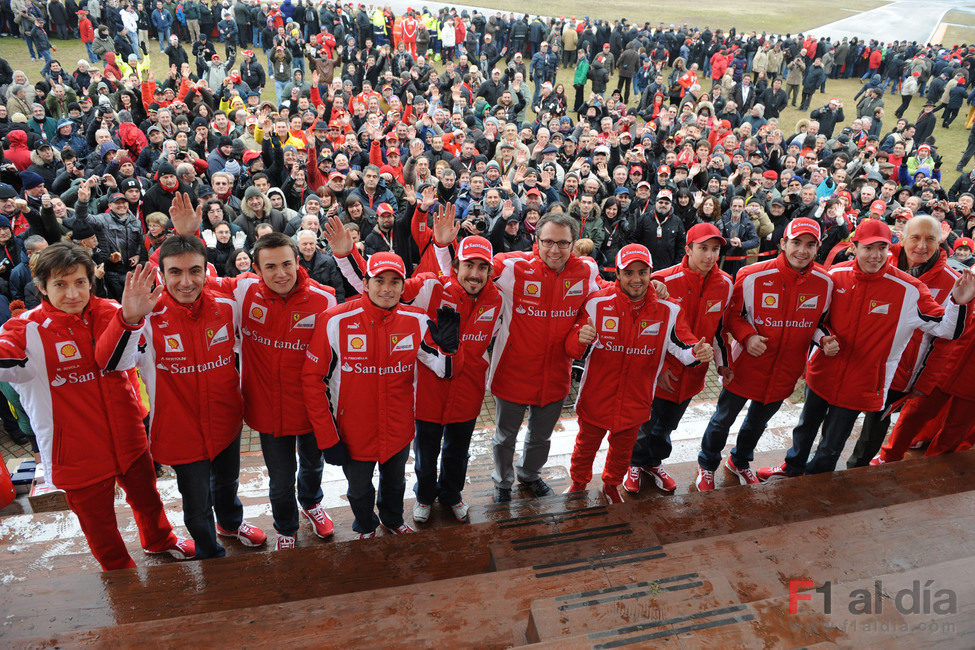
{"x":67,"y":351}
{"x":533,"y":288}
{"x":258,"y":313}
{"x":770,"y":300}
{"x":357,"y":343}
{"x":173,"y":342}
{"x":610,"y":323}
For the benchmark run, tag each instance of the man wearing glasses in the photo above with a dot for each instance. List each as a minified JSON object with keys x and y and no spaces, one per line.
{"x":542,"y":293}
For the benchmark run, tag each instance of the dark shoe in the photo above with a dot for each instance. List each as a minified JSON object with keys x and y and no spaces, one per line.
{"x":538,"y":488}
{"x":19,"y":438}
{"x":502,"y":495}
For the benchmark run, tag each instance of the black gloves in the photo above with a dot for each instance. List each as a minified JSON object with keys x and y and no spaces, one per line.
{"x":337,"y":454}
{"x":446,"y":331}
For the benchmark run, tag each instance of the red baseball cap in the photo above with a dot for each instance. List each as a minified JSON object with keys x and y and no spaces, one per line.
{"x":385,"y":208}
{"x":250,"y":156}
{"x":475,"y":248}
{"x":381,"y":262}
{"x":633,"y":253}
{"x":663,"y":169}
{"x":338,"y":175}
{"x":964,"y":241}
{"x":878,"y":206}
{"x":803,"y":226}
{"x":702,"y":232}
{"x":871,"y":231}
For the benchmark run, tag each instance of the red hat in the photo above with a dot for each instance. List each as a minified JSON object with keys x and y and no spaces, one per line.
{"x":386,"y":169}
{"x":215,"y":56}
{"x":633,"y":253}
{"x":380,"y":262}
{"x":248,"y":52}
{"x":385,"y":208}
{"x":770,"y":174}
{"x":533,"y":192}
{"x":802,"y":226}
{"x":964,"y":241}
{"x":924,"y":146}
{"x":663,"y":169}
{"x":702,"y":232}
{"x":250,"y":156}
{"x":871,"y":231}
{"x":665,"y":194}
{"x":636,"y":170}
{"x":878,"y":206}
{"x":475,"y":248}
{"x":645,"y":184}
{"x":338,"y":175}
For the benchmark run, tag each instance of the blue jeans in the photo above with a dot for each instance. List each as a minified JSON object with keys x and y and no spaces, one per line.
{"x":451,"y":443}
{"x":279,"y":91}
{"x":653,"y":442}
{"x":134,"y":39}
{"x":255,"y":35}
{"x":164,"y":38}
{"x":208,"y":487}
{"x":91,"y":53}
{"x":716,"y":435}
{"x":837,"y":423}
{"x":30,"y":46}
{"x":46,"y":55}
{"x":362,"y":494}
{"x":279,"y":456}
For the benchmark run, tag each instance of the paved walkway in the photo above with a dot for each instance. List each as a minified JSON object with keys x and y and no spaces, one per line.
{"x":914,"y":20}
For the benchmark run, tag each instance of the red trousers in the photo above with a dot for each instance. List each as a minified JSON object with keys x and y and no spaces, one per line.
{"x":916,"y":416}
{"x":95,"y":507}
{"x":617,"y":460}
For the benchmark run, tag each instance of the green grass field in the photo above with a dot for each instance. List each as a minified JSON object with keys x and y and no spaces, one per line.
{"x":758,"y":15}
{"x":951,"y":142}
{"x":961,"y":28}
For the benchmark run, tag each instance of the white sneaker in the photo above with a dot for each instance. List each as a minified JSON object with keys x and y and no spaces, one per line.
{"x":460,"y":510}
{"x":421,"y":512}
{"x":284,"y":543}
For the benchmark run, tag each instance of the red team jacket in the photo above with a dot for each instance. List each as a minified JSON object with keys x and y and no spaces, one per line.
{"x":275,"y":332}
{"x":703,"y":301}
{"x":628,"y":354}
{"x":923,"y":349}
{"x":775,"y":301}
{"x":529,"y":364}
{"x":84,"y":412}
{"x":359,"y":377}
{"x":874,"y":316}
{"x":190,"y":371}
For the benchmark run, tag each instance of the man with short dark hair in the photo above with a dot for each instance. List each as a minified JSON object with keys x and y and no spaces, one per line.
{"x":68,"y":358}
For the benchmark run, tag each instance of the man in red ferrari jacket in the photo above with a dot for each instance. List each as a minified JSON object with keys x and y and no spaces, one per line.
{"x":919,"y":253}
{"x":64,"y":357}
{"x":446,"y":409}
{"x":196,"y":410}
{"x":625,"y":334}
{"x":775,"y":313}
{"x":359,"y":382}
{"x":542,"y":294}
{"x":703,"y":292}
{"x":279,"y":309}
{"x":876,"y":308}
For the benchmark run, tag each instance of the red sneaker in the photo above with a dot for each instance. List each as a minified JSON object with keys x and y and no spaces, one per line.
{"x":181,"y":549}
{"x":746,"y":476}
{"x":320,"y":521}
{"x":632,"y":481}
{"x":877,"y":461}
{"x":663,"y":480}
{"x":367,"y":535}
{"x":284,"y":543}
{"x":576,"y":487}
{"x":246,"y":534}
{"x":770,"y":473}
{"x":402,"y":530}
{"x":612,"y":493}
{"x":705,"y":480}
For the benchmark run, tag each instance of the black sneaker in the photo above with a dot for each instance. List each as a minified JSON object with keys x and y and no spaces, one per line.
{"x":502,"y":495}
{"x":538,"y":488}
